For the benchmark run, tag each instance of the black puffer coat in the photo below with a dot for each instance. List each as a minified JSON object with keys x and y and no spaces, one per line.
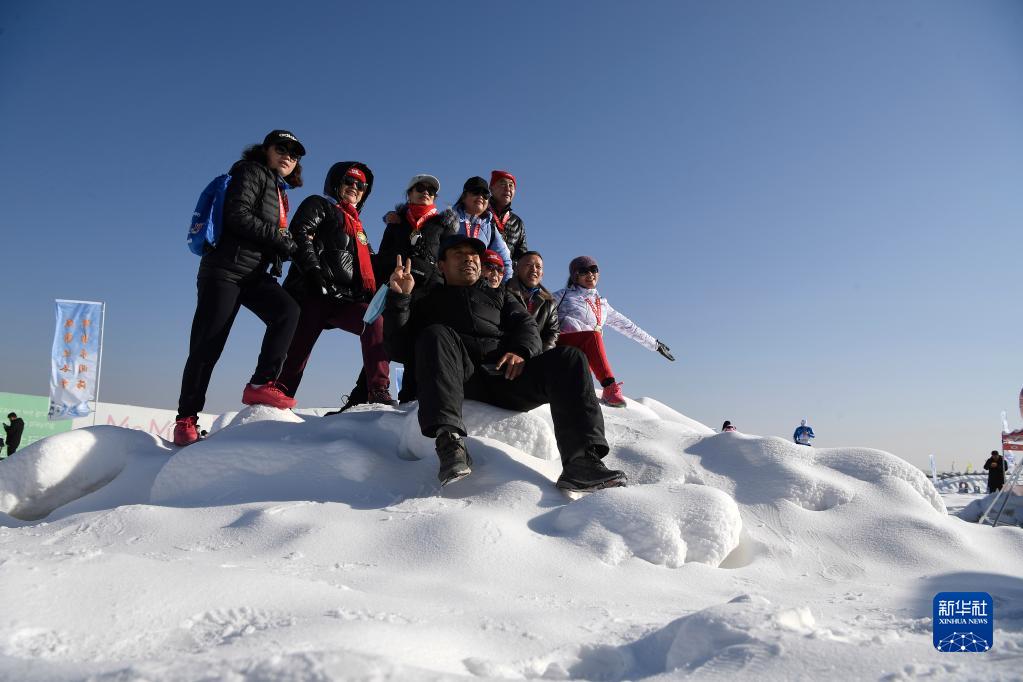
{"x":252,"y":238}
{"x":323,"y":242}
{"x":545,"y":313}
{"x":401,"y":240}
{"x":490,"y":322}
{"x":514,"y":232}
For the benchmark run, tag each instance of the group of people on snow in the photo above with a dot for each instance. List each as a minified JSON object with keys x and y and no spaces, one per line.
{"x":463,"y":306}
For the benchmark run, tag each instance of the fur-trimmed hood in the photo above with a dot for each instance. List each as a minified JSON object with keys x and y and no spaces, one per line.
{"x":337,"y":171}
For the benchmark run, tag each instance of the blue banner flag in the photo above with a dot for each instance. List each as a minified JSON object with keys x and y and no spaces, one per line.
{"x":75,"y":363}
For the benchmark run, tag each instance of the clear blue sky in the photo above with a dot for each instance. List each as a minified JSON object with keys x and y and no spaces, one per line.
{"x":816,"y":205}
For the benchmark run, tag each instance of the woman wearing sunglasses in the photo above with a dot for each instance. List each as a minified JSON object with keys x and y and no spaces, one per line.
{"x":332,"y":276}
{"x":233,"y":274}
{"x":414,"y":231}
{"x":493,"y":268}
{"x":474,"y":220}
{"x":584,"y":315}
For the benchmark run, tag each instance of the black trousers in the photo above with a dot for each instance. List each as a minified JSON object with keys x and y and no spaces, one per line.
{"x":217,"y":306}
{"x":446,"y":376}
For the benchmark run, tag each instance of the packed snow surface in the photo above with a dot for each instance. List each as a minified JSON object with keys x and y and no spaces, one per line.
{"x":302,"y":547}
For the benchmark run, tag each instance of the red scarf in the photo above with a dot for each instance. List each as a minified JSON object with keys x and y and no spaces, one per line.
{"x":353,"y":226}
{"x":497,"y":219}
{"x":282,"y":203}
{"x":417,"y":214}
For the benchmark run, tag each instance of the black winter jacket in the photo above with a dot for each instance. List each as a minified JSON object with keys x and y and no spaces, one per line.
{"x":490,"y":322}
{"x":514,"y":233}
{"x":545,"y":313}
{"x":251,"y":239}
{"x":324,"y":244}
{"x":13,"y":432}
{"x":401,"y":240}
{"x":996,"y":471}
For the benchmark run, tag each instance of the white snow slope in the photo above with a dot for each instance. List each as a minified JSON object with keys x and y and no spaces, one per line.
{"x":290,"y":547}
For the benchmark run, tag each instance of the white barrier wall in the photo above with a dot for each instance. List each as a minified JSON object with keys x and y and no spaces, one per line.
{"x":151,"y":420}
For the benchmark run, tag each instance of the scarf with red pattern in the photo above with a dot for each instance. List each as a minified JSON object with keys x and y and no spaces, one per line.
{"x":353,"y":226}
{"x":417,"y":214}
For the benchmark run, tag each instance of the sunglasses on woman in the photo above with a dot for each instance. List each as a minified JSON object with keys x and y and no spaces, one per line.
{"x":423,"y":188}
{"x":491,"y":266}
{"x":357,"y":184}
{"x":592,"y":270}
{"x":284,"y":151}
{"x":485,"y":193}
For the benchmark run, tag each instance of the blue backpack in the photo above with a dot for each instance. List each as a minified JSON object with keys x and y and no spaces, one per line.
{"x":208,"y":218}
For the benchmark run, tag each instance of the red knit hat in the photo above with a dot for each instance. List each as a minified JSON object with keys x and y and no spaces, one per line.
{"x":356,"y":173}
{"x":493,"y":258}
{"x":498,"y":174}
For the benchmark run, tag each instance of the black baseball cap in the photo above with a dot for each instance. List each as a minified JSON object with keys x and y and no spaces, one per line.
{"x":285,"y":138}
{"x":456,"y":239}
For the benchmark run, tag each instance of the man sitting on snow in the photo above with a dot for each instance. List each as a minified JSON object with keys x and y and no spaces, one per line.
{"x":470,"y":341}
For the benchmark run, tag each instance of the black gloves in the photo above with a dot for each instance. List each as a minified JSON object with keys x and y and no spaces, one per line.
{"x":314,"y":282}
{"x":285,"y":245}
{"x":665,"y":351}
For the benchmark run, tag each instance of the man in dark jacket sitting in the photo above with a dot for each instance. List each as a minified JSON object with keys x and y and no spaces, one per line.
{"x":470,"y":341}
{"x":527,"y":287}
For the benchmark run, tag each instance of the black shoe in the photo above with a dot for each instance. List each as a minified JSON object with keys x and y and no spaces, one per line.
{"x":382,"y":396}
{"x":588,"y":473}
{"x":346,"y":403}
{"x":455,"y":462}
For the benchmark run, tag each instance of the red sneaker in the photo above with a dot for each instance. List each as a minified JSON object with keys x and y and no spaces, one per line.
{"x":185,"y":432}
{"x":270,"y":394}
{"x":612,"y":396}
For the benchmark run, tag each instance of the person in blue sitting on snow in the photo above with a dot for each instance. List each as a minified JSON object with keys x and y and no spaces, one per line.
{"x":803,"y":433}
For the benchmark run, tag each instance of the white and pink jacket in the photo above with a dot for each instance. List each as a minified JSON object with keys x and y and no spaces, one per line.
{"x":578,"y":310}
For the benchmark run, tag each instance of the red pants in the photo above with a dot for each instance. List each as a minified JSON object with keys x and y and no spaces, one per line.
{"x":592,"y":345}
{"x":324,"y":312}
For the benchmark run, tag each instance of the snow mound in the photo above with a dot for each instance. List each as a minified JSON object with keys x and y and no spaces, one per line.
{"x":666,"y":526}
{"x":67,"y":466}
{"x":725,"y":640}
{"x":295,"y":547}
{"x":530,"y":432}
{"x":1011,"y":514}
{"x":253,"y":414}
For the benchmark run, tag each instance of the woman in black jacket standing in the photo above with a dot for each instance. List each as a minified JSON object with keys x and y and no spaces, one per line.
{"x":332,"y":276}
{"x":233,"y":274}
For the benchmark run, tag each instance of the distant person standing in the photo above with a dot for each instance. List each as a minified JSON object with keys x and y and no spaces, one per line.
{"x":996,"y":467}
{"x":502,"y":190}
{"x":13,"y":432}
{"x":803,"y":433}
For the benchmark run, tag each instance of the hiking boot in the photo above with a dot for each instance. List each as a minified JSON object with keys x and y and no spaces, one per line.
{"x":185,"y":432}
{"x":382,"y":396}
{"x":269,"y":393}
{"x":612,"y":396}
{"x":588,"y":473}
{"x":455,"y":462}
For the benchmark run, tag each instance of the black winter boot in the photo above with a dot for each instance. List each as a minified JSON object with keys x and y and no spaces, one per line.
{"x":587,"y":473}
{"x":455,"y":462}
